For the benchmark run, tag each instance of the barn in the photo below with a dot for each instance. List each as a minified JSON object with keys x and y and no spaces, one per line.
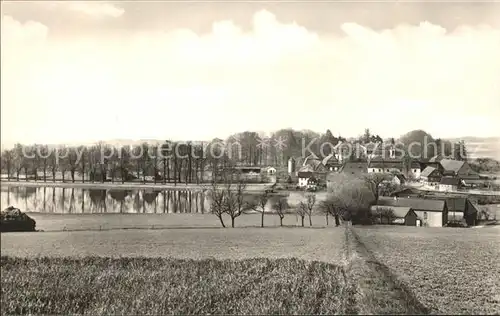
{"x":432,"y":213}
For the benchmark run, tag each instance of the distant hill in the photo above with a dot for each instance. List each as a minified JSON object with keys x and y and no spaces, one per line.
{"x":481,"y":147}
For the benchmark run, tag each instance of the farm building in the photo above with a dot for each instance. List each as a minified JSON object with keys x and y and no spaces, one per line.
{"x":461,"y":209}
{"x":331,"y":163}
{"x":398,"y":179}
{"x":414,"y":170}
{"x":449,"y":184}
{"x":459,"y":169}
{"x":304,"y":177}
{"x":385,"y":166}
{"x":411,"y":219}
{"x":407,"y":192}
{"x":312,"y":183}
{"x":432,"y":213}
{"x":248,"y":173}
{"x":431,"y":176}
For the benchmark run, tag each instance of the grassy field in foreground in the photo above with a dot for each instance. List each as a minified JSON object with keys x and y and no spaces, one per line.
{"x":103,"y":221}
{"x":99,"y":286}
{"x":450,"y":271}
{"x":242,"y":243}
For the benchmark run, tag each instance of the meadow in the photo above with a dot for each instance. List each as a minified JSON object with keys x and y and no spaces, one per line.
{"x":99,"y":286}
{"x":102,"y":221}
{"x":250,"y":270}
{"x":448,"y":270}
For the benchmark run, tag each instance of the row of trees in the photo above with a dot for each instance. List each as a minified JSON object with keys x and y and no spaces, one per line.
{"x":350,"y":200}
{"x":185,"y":161}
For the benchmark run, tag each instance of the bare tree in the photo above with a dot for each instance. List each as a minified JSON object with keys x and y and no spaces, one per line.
{"x":333,"y":207}
{"x":373,"y":182}
{"x":259,"y":204}
{"x":217,"y":201}
{"x":302,"y":211}
{"x":234,"y":200}
{"x":309,"y":203}
{"x":281,"y":206}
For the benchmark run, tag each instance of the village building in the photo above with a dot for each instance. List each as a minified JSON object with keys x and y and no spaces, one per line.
{"x":312,"y":184}
{"x":461,"y":210}
{"x":304,"y":177}
{"x":431,"y":176}
{"x":414,"y":170}
{"x":459,"y":169}
{"x":398,"y":179}
{"x":331,"y":163}
{"x":448,"y":184}
{"x":431,"y":213}
{"x":385,"y":166}
{"x":248,"y":173}
{"x":270,"y":170}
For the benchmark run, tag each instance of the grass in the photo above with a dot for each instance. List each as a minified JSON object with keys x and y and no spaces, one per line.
{"x":99,"y":286}
{"x":448,"y":270}
{"x":104,"y":221}
{"x":243,"y":243}
{"x":367,"y":270}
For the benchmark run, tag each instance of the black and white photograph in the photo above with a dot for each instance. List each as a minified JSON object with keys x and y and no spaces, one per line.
{"x":217,"y":157}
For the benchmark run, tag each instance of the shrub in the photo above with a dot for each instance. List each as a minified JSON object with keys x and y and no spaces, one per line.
{"x":13,"y":220}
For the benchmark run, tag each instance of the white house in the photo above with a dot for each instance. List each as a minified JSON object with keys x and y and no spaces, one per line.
{"x":271,"y":170}
{"x":449,"y":184}
{"x":385,"y":166}
{"x":304,"y":177}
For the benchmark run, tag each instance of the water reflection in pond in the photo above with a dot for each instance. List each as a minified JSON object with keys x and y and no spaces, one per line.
{"x":76,"y":200}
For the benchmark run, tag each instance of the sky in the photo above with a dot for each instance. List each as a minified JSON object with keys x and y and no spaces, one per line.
{"x":85,"y":71}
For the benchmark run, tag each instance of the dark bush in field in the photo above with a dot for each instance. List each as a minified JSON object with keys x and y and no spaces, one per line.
{"x":13,"y":220}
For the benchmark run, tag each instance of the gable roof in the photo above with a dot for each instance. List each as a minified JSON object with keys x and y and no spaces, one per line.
{"x":438,"y":158}
{"x":305,"y":174}
{"x":401,"y":177}
{"x":414,"y":203}
{"x":406,"y":192}
{"x":306,"y":168}
{"x":456,"y":204}
{"x":449,"y":181}
{"x":461,"y":205}
{"x":399,"y":211}
{"x":452,"y":165}
{"x":330,"y":160}
{"x":427,"y":171}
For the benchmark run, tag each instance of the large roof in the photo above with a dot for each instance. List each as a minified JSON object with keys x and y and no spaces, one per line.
{"x":399,"y":211}
{"x":330,"y":159}
{"x":452,"y":165}
{"x":450,"y":181}
{"x":414,"y":203}
{"x":427,"y":171}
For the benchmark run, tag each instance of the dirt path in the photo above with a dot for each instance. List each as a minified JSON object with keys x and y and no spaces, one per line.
{"x":378,"y":291}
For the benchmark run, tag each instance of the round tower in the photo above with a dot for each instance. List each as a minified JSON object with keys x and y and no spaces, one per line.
{"x":291,"y":166}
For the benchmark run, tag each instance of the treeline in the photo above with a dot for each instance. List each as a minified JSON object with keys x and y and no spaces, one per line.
{"x":189,"y":161}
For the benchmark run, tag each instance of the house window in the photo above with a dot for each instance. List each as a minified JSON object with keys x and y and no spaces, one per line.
{"x":387,"y":170}
{"x":379,"y":170}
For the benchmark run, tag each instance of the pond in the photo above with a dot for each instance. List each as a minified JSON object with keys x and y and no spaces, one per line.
{"x":59,"y":200}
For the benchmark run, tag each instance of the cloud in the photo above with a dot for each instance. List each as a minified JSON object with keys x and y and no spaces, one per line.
{"x":95,"y":9}
{"x":180,"y":84}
